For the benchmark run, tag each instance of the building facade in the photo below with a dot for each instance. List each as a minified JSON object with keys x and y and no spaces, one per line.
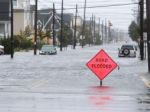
{"x":23,"y":15}
{"x":4,"y":17}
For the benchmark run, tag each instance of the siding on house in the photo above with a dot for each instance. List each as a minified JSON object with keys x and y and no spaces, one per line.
{"x":78,"y":21}
{"x":18,"y":21}
{"x":23,"y":15}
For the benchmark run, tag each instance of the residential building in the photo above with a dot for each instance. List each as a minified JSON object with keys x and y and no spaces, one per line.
{"x":67,"y":19}
{"x":4,"y":17}
{"x":45,"y":19}
{"x":78,"y":21}
{"x":23,"y":15}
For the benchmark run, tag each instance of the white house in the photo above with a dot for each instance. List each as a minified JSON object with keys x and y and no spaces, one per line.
{"x":23,"y":15}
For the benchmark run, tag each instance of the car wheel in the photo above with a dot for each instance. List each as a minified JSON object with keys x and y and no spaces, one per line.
{"x":126,"y":52}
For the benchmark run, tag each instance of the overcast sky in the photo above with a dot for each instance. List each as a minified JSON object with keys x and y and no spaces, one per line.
{"x":120,"y":16}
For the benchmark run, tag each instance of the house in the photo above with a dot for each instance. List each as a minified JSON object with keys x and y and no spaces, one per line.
{"x":45,"y":23}
{"x":45,"y":19}
{"x":78,"y":21}
{"x":23,"y":15}
{"x":4,"y":17}
{"x":67,"y":19}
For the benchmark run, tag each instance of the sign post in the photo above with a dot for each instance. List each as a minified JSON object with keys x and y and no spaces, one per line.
{"x":101,"y":82}
{"x":101,"y":65}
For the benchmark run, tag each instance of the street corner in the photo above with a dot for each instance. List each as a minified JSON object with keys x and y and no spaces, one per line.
{"x":146,"y":79}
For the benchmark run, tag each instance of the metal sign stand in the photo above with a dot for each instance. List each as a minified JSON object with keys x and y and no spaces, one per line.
{"x":101,"y":82}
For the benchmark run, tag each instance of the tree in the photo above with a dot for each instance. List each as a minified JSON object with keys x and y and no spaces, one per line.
{"x":67,"y":36}
{"x":134,"y":31}
{"x":27,"y":31}
{"x":98,"y":39}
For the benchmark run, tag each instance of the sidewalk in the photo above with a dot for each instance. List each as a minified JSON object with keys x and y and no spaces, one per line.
{"x":146,"y":78}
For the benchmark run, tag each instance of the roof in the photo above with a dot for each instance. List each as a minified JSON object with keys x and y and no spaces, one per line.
{"x":67,"y":17}
{"x":32,"y":7}
{"x":44,"y":16}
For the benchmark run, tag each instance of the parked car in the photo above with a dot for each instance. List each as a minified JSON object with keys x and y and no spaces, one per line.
{"x":127,"y":51}
{"x":48,"y":50}
{"x":1,"y":49}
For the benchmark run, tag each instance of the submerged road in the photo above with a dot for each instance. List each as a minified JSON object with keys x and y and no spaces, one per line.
{"x":63,"y":83}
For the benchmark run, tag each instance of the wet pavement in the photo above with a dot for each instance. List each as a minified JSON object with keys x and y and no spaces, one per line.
{"x":63,"y":83}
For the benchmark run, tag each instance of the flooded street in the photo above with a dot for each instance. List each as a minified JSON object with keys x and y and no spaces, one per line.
{"x":63,"y":83}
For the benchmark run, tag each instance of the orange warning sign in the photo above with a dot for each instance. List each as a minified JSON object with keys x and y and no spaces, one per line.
{"x":101,"y":64}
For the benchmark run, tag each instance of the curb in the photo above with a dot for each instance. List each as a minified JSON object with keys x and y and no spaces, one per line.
{"x":146,"y":79}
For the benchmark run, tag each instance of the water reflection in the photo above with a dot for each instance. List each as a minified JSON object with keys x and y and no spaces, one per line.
{"x":101,"y":89}
{"x":101,"y":99}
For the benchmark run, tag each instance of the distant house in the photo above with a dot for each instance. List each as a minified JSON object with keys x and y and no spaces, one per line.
{"x":67,"y":19}
{"x":45,"y":19}
{"x":78,"y":21}
{"x":4,"y":17}
{"x":45,"y":22}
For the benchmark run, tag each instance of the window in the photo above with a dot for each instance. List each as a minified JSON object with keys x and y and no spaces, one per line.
{"x":14,"y":2}
{"x":130,"y":47}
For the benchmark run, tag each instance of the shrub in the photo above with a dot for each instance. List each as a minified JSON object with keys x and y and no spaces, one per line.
{"x":20,"y":43}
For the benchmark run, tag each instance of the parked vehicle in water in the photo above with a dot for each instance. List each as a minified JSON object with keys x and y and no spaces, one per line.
{"x":48,"y":50}
{"x":127,"y":51}
{"x":1,"y":50}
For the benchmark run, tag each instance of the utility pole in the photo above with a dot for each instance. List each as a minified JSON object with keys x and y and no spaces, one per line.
{"x":94,"y":31}
{"x":54,"y":40}
{"x":75,"y":29}
{"x":35,"y":28}
{"x":102,"y":32}
{"x":12,"y":28}
{"x":109,"y":32}
{"x":90,"y":32}
{"x":105,"y":31}
{"x":92,"y":27}
{"x":83,"y":29}
{"x":141,"y":3}
{"x":148,"y":31}
{"x":61,"y":36}
{"x":99,"y":29}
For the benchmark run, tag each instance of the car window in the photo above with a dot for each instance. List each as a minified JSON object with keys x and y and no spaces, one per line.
{"x":48,"y":48}
{"x":130,"y":47}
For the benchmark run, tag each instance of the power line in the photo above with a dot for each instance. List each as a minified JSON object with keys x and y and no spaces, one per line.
{"x":122,"y":4}
{"x":112,"y":5}
{"x":80,"y":2}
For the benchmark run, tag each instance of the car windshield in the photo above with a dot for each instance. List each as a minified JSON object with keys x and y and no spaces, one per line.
{"x":130,"y":47}
{"x":47,"y":48}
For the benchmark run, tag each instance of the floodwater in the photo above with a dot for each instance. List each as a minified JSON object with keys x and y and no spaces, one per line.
{"x":63,"y":83}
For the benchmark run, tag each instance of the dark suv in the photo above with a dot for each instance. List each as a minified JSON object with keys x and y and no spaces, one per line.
{"x":127,"y":51}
